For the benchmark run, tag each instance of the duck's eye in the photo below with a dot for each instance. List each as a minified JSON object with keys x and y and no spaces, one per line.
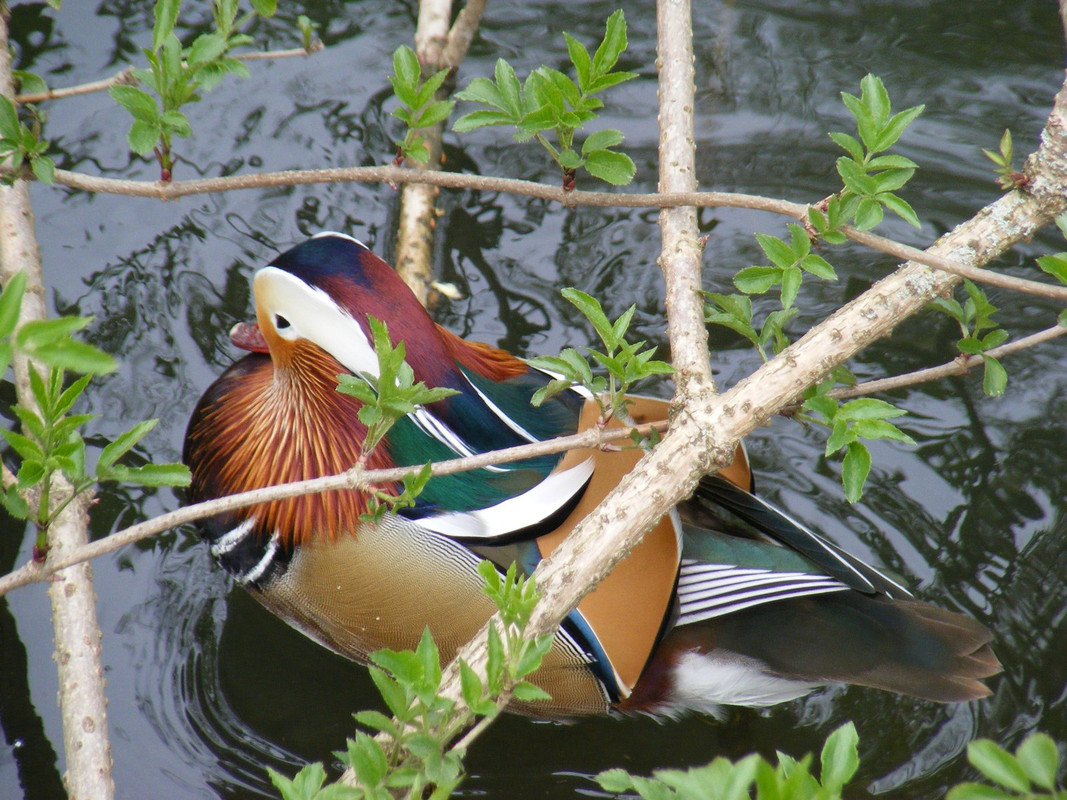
{"x":280,"y":322}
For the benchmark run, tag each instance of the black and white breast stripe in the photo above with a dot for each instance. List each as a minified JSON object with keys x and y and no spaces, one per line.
{"x":706,"y":591}
{"x":246,"y":557}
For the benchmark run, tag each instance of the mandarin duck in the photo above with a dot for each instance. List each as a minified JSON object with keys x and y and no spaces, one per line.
{"x":746,"y":607}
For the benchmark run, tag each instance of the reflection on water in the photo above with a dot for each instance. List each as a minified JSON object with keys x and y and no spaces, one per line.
{"x":206,"y":688}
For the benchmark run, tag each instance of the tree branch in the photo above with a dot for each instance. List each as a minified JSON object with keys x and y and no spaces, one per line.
{"x":125,"y":76}
{"x":352,"y":479}
{"x":960,"y":365}
{"x":453,"y":180}
{"x":82,"y":702}
{"x":706,"y":431}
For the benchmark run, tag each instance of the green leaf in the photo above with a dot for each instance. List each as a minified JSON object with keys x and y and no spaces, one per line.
{"x":28,"y":82}
{"x":840,"y":758}
{"x":875,"y":97}
{"x":484,"y":91}
{"x":580,"y":58}
{"x":615,"y":168}
{"x":376,"y":720}
{"x":394,"y":695}
{"x":124,"y":443}
{"x":895,"y":127}
{"x":509,"y":89}
{"x":11,"y":303}
{"x":44,"y":169}
{"x":368,"y":760}
{"x":38,"y":332}
{"x":757,"y":280}
{"x":869,"y":408}
{"x":998,"y":765}
{"x":265,"y":8}
{"x":166,"y":15}
{"x":995,"y":379}
{"x":854,"y":470}
{"x":26,"y":447}
{"x":148,"y":475}
{"x":429,"y":87}
{"x":869,"y":214}
{"x":602,"y":140}
{"x":614,"y":43}
{"x":10,"y":127}
{"x":14,"y":502}
{"x":818,"y":266}
{"x":780,"y":253}
{"x":849,"y":144}
{"x":75,"y":356}
{"x":1055,"y":265}
{"x":609,"y":80}
{"x":880,"y":429}
{"x":614,"y":780}
{"x":407,"y":71}
{"x":437,"y":111}
{"x":569,"y":159}
{"x":901,"y":208}
{"x":1039,"y":757}
{"x":176,"y":123}
{"x":821,"y":404}
{"x":791,"y":279}
{"x":855,"y":177}
{"x":892,"y":179}
{"x":207,"y":47}
{"x":481,"y":119}
{"x":142,"y":137}
{"x":978,"y":791}
{"x":529,"y":693}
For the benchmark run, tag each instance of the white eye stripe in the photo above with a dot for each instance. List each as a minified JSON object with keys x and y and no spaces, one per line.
{"x":310,"y":313}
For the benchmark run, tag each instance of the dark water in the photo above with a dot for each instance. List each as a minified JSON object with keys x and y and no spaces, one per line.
{"x":206,"y":688}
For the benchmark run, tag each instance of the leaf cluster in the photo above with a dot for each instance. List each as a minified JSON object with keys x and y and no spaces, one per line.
{"x":550,"y":102}
{"x":1007,"y":177}
{"x":734,"y":311}
{"x":870,"y":179}
{"x":51,"y":441}
{"x":418,"y":758}
{"x":789,"y":779}
{"x":850,"y":423}
{"x":1028,"y":773}
{"x":789,"y":261}
{"x":178,"y":74}
{"x":980,"y":333}
{"x":418,"y":107}
{"x":387,"y":397}
{"x":19,"y":145}
{"x":626,"y":363}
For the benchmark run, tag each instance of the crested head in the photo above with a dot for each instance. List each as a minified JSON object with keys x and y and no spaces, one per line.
{"x":323,"y":290}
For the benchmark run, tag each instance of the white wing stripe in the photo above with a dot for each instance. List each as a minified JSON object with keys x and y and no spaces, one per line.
{"x":521,"y":431}
{"x":515,"y":513}
{"x":734,"y":587}
{"x":433,"y":427}
{"x":691,"y":616}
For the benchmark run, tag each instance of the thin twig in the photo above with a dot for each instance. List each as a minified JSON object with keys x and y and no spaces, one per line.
{"x":352,"y":479}
{"x":960,"y":365}
{"x":125,"y":76}
{"x":454,"y":180}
